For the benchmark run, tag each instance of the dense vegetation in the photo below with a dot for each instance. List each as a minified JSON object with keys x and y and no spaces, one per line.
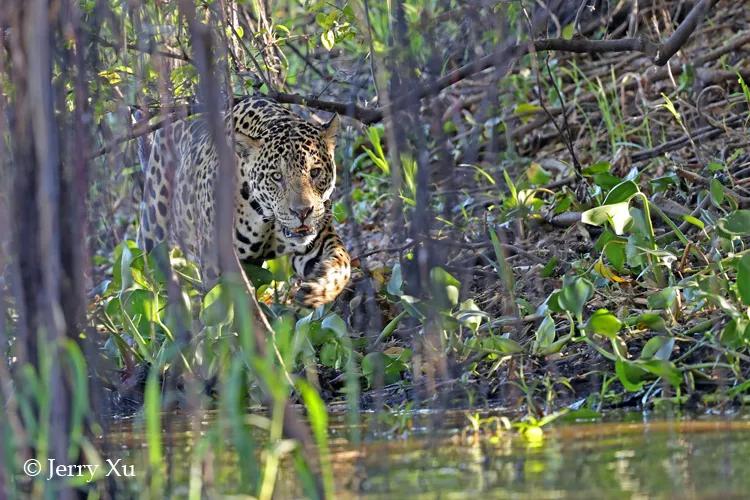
{"x":542,"y":219}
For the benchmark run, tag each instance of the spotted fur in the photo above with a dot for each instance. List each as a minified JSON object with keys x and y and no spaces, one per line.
{"x":285,"y":178}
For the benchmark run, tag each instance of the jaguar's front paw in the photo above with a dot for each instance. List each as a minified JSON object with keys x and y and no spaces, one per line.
{"x":314,"y":294}
{"x":320,"y":291}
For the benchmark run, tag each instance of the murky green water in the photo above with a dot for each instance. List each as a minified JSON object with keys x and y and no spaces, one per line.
{"x":634,"y":456}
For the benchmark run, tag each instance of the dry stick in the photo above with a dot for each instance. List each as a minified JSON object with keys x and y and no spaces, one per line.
{"x":364,"y":115}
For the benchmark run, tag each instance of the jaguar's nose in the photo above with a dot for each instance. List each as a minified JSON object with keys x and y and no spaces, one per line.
{"x":301,"y":212}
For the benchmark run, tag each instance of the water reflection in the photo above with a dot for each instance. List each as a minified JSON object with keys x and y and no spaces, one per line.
{"x":620,"y":459}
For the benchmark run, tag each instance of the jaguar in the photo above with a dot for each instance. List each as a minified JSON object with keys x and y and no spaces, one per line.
{"x":285,"y":177}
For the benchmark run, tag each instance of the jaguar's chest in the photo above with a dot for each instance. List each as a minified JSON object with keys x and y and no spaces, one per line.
{"x":259,"y":236}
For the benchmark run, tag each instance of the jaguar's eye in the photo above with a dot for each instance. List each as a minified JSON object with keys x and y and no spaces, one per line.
{"x":276,"y":176}
{"x":314,"y":173}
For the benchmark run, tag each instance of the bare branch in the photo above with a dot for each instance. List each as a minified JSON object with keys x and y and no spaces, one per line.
{"x":365,"y":115}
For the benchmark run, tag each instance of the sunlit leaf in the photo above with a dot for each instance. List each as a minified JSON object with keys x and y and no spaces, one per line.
{"x":526,"y":108}
{"x":607,"y":273}
{"x":618,"y":215}
{"x":470,"y":315}
{"x":604,"y":323}
{"x":328,"y":39}
{"x":694,"y":221}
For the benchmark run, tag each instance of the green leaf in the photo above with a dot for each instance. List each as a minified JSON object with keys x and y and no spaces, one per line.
{"x":215,"y":310}
{"x":743,"y":279}
{"x":334,"y":323}
{"x":652,"y":321}
{"x":604,"y":323}
{"x":126,"y":277}
{"x":617,"y":214}
{"x":630,"y":376}
{"x":537,"y":175}
{"x":568,"y":31}
{"x":501,"y":344}
{"x":734,"y":333}
{"x":549,"y":267}
{"x":545,"y":334}
{"x":330,"y":355}
{"x":556,"y":345}
{"x":391,"y":366}
{"x":527,"y":108}
{"x":312,"y":330}
{"x":443,"y":282}
{"x":470,"y":315}
{"x":553,"y":302}
{"x":412,"y":305}
{"x":396,"y":281}
{"x":606,"y":181}
{"x":717,"y":191}
{"x":735,"y":224}
{"x":259,"y":276}
{"x":574,"y":295}
{"x":694,"y":221}
{"x":621,"y":193}
{"x":600,"y":167}
{"x":658,"y":348}
{"x":663,"y":369}
{"x":339,"y":211}
{"x":615,"y":253}
{"x":440,"y":276}
{"x":663,"y":299}
{"x":633,"y":375}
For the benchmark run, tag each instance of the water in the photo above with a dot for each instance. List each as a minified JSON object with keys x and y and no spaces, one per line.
{"x":435,"y":455}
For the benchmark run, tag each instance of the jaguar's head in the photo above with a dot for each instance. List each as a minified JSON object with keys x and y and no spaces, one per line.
{"x":292,"y":174}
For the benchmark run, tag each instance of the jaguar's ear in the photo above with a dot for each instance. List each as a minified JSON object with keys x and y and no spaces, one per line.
{"x":244,"y":144}
{"x":330,"y":129}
